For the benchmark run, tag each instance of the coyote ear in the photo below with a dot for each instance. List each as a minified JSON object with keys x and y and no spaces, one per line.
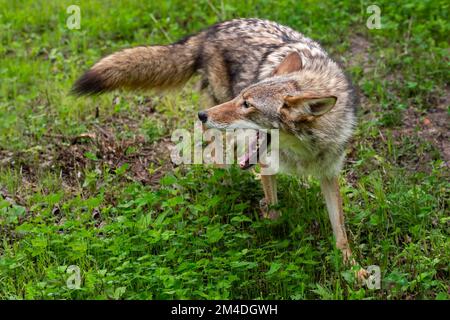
{"x":307,"y":107}
{"x":291,"y":63}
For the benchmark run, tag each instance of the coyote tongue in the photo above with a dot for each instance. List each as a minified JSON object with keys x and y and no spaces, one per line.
{"x":250,"y":157}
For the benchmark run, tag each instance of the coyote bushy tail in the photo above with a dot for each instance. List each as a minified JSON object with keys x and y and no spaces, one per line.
{"x":145,"y":67}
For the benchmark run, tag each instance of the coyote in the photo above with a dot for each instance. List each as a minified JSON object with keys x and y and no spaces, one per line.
{"x":261,"y":75}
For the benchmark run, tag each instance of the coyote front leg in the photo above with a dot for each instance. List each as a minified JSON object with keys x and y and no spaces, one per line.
{"x":269,"y":184}
{"x":333,"y":200}
{"x":331,"y":192}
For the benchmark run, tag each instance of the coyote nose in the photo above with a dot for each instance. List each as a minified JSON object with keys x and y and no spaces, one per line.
{"x":203,"y":116}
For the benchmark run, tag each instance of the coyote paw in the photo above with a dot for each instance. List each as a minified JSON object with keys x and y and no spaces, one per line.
{"x":266,"y":212}
{"x":361,"y":274}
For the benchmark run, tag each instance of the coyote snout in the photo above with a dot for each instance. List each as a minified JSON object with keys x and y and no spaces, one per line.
{"x":234,"y":114}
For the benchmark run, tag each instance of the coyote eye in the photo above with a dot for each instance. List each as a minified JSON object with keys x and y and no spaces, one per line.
{"x":246,"y":105}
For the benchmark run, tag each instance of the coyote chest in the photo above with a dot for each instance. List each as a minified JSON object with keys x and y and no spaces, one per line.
{"x":302,"y":157}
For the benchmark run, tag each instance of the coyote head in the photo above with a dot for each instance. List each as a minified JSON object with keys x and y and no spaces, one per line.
{"x":292,"y":98}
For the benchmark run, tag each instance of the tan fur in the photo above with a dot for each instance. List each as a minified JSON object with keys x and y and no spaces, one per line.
{"x":269,"y":184}
{"x":150,"y":67}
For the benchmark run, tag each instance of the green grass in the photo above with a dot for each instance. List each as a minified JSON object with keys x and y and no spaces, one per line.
{"x":194,"y":232}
